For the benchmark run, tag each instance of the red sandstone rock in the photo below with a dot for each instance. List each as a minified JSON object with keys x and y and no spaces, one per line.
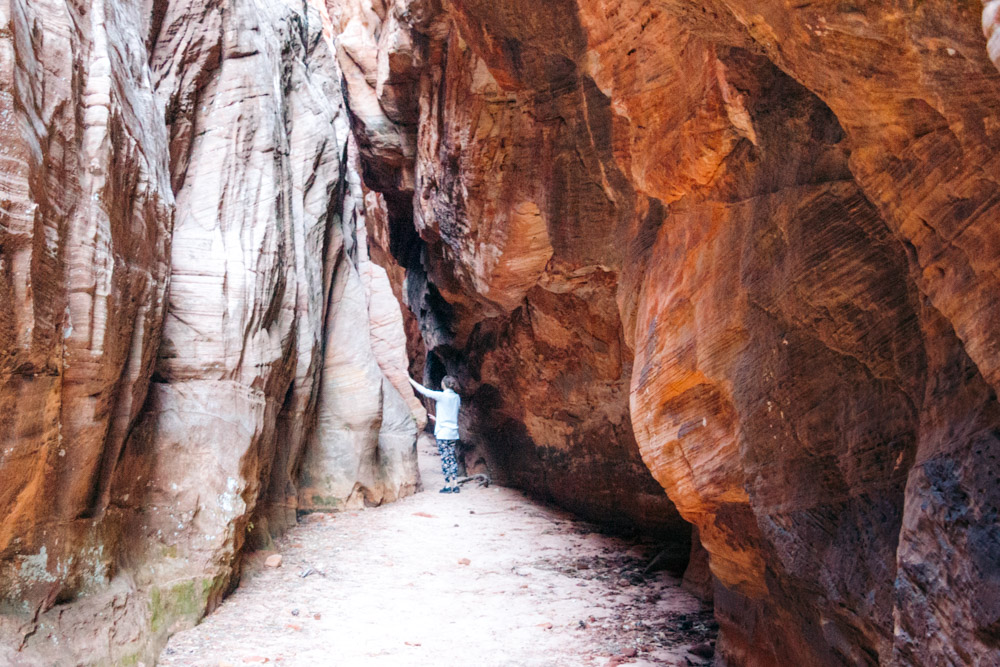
{"x":85,"y":223}
{"x":749,"y":246}
{"x":789,"y":208}
{"x":489,"y":253}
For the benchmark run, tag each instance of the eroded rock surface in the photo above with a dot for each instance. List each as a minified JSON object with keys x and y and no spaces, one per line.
{"x":520,"y":308}
{"x":85,"y":222}
{"x":775,"y":223}
{"x":187,"y":304}
{"x":730,"y":264}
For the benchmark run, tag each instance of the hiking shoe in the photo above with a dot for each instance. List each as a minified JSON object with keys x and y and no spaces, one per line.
{"x":456,"y":489}
{"x":446,"y":489}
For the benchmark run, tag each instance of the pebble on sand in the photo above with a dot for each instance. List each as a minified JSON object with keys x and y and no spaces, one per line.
{"x":703,"y":650}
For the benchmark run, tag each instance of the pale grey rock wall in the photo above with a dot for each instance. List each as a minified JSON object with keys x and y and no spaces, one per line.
{"x":186,"y":306}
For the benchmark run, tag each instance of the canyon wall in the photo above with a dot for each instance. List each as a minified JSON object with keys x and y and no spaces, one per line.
{"x":750,"y":246}
{"x":194,"y":344}
{"x":493,"y":207}
{"x":729,"y":264}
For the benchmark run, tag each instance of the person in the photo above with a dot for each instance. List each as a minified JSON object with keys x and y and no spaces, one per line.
{"x":446,"y":410}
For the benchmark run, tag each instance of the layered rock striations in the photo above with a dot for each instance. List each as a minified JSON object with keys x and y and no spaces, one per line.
{"x":520,"y":308}
{"x":85,"y":228}
{"x":730,"y":264}
{"x":195,"y":344}
{"x":754,"y":242}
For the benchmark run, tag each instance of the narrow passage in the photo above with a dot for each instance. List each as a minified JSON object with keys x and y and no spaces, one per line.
{"x":486,"y":578}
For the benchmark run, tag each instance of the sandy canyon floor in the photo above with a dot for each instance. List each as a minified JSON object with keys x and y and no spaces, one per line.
{"x":486,"y":578}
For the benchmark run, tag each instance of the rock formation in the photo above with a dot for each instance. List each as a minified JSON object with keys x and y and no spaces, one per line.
{"x":501,"y":301}
{"x":730,"y":264}
{"x":186,"y":307}
{"x":772,"y":225}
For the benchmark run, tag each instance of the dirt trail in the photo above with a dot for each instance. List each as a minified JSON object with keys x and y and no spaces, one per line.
{"x":485,"y":578}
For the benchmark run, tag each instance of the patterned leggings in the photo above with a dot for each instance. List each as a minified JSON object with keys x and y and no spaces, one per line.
{"x":449,"y":466}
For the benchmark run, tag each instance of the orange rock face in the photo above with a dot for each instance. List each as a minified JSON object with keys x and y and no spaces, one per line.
{"x":730,"y":264}
{"x":772,"y":226}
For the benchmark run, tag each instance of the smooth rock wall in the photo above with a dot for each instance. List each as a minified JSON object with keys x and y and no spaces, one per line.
{"x":86,"y":218}
{"x":180,"y":217}
{"x":732,"y":262}
{"x":520,"y":307}
{"x":776,"y":221}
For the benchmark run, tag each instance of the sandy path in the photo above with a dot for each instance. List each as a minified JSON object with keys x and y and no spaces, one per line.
{"x":485,"y":578}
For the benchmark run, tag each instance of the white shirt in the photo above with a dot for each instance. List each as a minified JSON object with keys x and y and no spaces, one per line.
{"x":446,"y":412}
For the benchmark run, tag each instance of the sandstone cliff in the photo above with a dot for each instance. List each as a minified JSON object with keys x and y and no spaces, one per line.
{"x":193,"y":341}
{"x":754,"y":242}
{"x":731,"y":264}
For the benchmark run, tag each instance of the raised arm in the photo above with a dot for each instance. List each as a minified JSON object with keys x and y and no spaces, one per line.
{"x":429,"y":393}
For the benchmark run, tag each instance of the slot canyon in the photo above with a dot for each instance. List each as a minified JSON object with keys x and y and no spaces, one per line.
{"x":721,"y":277}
